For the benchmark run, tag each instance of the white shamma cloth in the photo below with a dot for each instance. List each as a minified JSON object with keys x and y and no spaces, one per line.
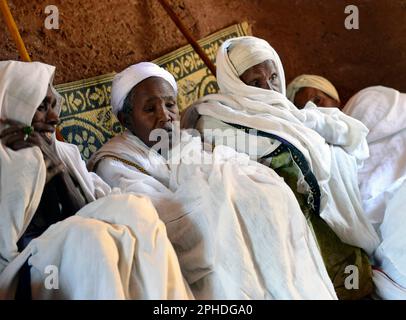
{"x":331,"y":142}
{"x":237,"y":229}
{"x":383,"y":111}
{"x":115,"y":247}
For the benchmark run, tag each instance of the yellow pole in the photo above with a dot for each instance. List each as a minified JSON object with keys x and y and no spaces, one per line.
{"x":12,"y":27}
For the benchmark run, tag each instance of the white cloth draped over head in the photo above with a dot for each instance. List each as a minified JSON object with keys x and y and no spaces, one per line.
{"x":321,"y":134}
{"x":237,"y":55}
{"x":312,"y":81}
{"x":235,"y":225}
{"x":127,"y":79}
{"x":383,"y":111}
{"x":94,"y":250}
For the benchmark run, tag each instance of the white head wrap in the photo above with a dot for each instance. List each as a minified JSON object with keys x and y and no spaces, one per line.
{"x":23,"y":86}
{"x":312,"y":81}
{"x":127,"y":79}
{"x":237,"y":55}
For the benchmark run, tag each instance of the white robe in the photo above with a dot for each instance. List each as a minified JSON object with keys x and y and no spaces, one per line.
{"x":334,"y":168}
{"x":115,"y":247}
{"x":332,"y":142}
{"x":390,"y":279}
{"x":237,"y":229}
{"x":382,"y":181}
{"x":383,"y":111}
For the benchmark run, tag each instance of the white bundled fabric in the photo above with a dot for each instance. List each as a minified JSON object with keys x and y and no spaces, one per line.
{"x":114,"y":248}
{"x":333,"y":125}
{"x":237,"y":229}
{"x":386,"y":288}
{"x":383,"y":111}
{"x":22,"y":181}
{"x":391,"y":253}
{"x":321,"y":134}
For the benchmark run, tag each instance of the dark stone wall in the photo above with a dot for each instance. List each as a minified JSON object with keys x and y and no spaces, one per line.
{"x":100,"y":36}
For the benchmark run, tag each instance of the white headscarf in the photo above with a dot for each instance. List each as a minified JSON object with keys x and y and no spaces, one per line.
{"x":127,"y":79}
{"x":312,"y":81}
{"x":237,"y":55}
{"x":23,"y":86}
{"x":19,"y":98}
{"x":330,"y":123}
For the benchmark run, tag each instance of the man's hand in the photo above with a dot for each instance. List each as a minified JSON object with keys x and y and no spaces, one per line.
{"x":13,"y":135}
{"x":16,"y":139}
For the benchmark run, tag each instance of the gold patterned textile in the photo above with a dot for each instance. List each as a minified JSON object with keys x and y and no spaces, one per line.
{"x":86,"y":116}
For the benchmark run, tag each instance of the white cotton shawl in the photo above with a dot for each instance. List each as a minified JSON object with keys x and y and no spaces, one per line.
{"x":235,"y":225}
{"x":390,"y":256}
{"x":116,"y":247}
{"x":383,"y":111}
{"x":23,"y":86}
{"x":249,"y":51}
{"x":308,"y":129}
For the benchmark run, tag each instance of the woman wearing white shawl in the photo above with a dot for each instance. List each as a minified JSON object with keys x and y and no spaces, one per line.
{"x":330,"y":142}
{"x":115,"y":247}
{"x":235,"y":225}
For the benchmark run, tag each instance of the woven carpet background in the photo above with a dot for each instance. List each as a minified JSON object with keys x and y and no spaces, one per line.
{"x":86,"y":117}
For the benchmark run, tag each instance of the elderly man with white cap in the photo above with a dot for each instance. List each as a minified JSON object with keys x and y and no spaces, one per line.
{"x":235,"y":225}
{"x":315,"y":150}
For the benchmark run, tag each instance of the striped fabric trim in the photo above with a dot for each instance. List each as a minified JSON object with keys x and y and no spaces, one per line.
{"x":127,"y":162}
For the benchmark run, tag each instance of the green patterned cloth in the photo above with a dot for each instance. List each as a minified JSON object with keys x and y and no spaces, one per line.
{"x":86,"y":116}
{"x":336,"y":254}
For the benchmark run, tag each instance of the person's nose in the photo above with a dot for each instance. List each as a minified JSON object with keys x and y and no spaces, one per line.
{"x":164,"y":114}
{"x":52,"y":116}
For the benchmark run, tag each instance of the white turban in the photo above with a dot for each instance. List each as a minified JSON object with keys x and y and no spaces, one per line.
{"x":312,"y":81}
{"x":127,"y":79}
{"x":236,"y":55}
{"x":23,"y":86}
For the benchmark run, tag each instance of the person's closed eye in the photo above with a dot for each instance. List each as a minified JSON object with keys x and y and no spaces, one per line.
{"x":316,"y":100}
{"x":41,"y":107}
{"x":149,"y":109}
{"x":255,"y":83}
{"x":170,"y":106}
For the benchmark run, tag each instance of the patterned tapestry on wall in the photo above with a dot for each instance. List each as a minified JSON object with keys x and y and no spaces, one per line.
{"x":86,"y":117}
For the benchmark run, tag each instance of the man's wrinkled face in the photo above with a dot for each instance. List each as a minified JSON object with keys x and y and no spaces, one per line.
{"x":263,"y":75}
{"x":46,"y":117}
{"x":153,"y":107}
{"x":318,"y":97}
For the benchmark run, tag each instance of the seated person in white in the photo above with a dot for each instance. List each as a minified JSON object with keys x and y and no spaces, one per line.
{"x":316,"y":150}
{"x":236,"y":226}
{"x":63,"y":233}
{"x":317,"y":89}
